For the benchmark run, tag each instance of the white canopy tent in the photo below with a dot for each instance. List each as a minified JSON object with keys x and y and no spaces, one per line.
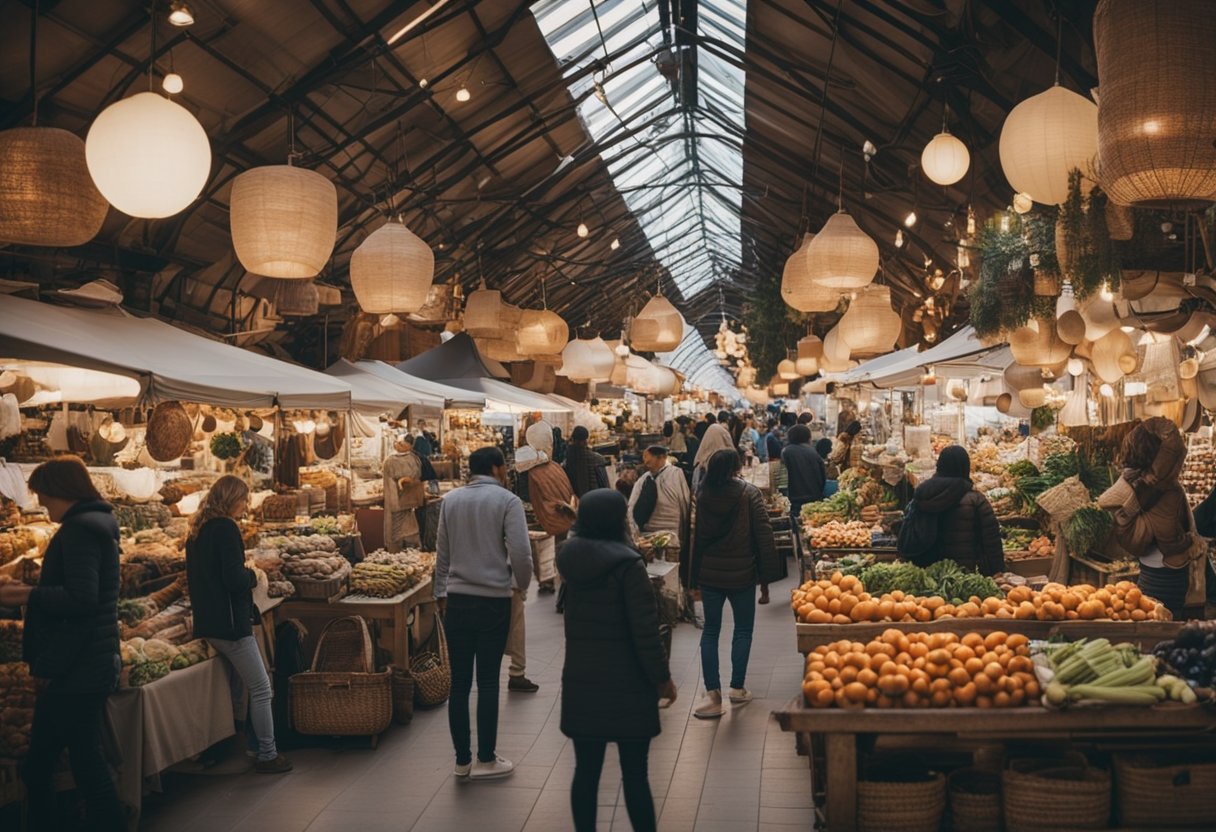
{"x":170,"y":363}
{"x":453,"y":396}
{"x":962,"y":355}
{"x":372,"y":394}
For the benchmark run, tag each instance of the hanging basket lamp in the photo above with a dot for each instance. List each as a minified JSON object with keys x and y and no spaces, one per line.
{"x":47,"y":197}
{"x":870,"y":326}
{"x":798,"y":290}
{"x":296,"y":298}
{"x":842,"y":256}
{"x":1044,"y":138}
{"x":810,"y":350}
{"x":284,"y":221}
{"x":659,"y":327}
{"x":541,"y":332}
{"x":787,"y":370}
{"x":1038,"y":345}
{"x":392,"y":270}
{"x":482,"y":311}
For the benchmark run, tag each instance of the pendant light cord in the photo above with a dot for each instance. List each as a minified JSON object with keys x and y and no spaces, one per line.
{"x":1059,"y":41}
{"x":152,"y":52}
{"x":34,"y":62}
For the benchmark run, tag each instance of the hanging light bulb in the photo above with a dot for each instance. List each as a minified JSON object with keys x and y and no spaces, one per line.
{"x":582,"y":229}
{"x":1106,"y":294}
{"x":172,"y":83}
{"x":463,"y":94}
{"x":899,"y":238}
{"x":180,"y":15}
{"x":615,"y":244}
{"x":1076,"y":366}
{"x":910,"y":220}
{"x":970,"y":221}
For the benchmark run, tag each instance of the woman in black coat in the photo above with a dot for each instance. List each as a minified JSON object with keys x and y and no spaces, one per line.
{"x":967,"y":529}
{"x":70,"y":642}
{"x":616,"y":670}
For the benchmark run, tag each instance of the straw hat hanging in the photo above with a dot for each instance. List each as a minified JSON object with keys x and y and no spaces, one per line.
{"x":1108,"y":352}
{"x":799,"y":290}
{"x":1033,"y":397}
{"x":1157,"y":101}
{"x":49,"y":197}
{"x":1037,"y":344}
{"x":787,"y":370}
{"x":1099,"y":316}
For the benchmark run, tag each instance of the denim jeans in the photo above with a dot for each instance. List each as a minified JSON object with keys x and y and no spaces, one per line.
{"x":743,"y":607}
{"x":477,"y":629}
{"x":249,"y":672}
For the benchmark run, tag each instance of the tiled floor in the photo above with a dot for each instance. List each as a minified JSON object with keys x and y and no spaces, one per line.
{"x":736,"y":774}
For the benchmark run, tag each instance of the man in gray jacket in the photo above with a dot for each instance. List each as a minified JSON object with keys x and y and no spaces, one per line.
{"x":483,"y":554}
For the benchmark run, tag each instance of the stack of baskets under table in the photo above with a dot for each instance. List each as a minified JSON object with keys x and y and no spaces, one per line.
{"x":343,"y":694}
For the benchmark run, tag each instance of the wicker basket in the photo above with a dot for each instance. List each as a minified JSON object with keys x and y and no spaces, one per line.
{"x":279,"y":507}
{"x":1160,"y":790}
{"x":353,"y":701}
{"x":1046,"y":284}
{"x":901,"y":807}
{"x":403,"y":696}
{"x":1043,"y":794}
{"x":310,"y":590}
{"x":1061,"y":502}
{"x":432,"y":671}
{"x":975,"y":800}
{"x":169,"y":432}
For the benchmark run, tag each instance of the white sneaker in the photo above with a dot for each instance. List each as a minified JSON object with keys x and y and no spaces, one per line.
{"x":740,"y":696}
{"x":710,"y":707}
{"x":499,"y":767}
{"x":462,"y":770}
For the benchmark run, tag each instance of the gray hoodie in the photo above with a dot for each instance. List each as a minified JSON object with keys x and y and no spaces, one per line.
{"x":483,"y":545}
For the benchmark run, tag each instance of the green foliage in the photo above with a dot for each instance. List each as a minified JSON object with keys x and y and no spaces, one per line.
{"x":1091,"y":258}
{"x":1003,"y":298}
{"x":1041,"y":418}
{"x":773,"y":328}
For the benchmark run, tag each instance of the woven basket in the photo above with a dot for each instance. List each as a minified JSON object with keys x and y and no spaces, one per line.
{"x":1159,"y":790}
{"x":1061,"y":502}
{"x":901,"y":807}
{"x":169,"y":432}
{"x":279,"y":507}
{"x":1043,"y":794}
{"x":975,"y":800}
{"x":356,"y":701}
{"x":322,"y":590}
{"x":432,"y":672}
{"x":403,"y":696}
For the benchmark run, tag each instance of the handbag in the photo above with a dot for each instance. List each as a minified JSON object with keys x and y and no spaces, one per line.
{"x":432,"y":670}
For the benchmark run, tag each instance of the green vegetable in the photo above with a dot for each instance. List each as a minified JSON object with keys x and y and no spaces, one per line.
{"x":180,"y":662}
{"x":226,"y":445}
{"x":1087,"y":529}
{"x":142,"y":674}
{"x":1022,"y":468}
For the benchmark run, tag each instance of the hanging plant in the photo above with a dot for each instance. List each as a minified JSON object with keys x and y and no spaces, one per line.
{"x":1090,"y":257}
{"x":773,"y":328}
{"x":1011,"y":248}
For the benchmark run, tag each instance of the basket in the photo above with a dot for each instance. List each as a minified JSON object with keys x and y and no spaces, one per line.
{"x":901,"y":807}
{"x":403,"y":696}
{"x":432,"y":672}
{"x":322,"y":590}
{"x":975,"y":800}
{"x":1060,"y":502}
{"x":1048,"y":794}
{"x":353,"y":701}
{"x":1158,"y":790}
{"x":279,"y":507}
{"x":169,"y":432}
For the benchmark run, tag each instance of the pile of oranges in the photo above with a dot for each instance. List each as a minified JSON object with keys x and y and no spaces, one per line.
{"x":843,"y":600}
{"x":922,"y":670}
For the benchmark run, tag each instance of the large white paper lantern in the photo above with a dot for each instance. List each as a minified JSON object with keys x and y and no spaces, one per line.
{"x":284,"y":221}
{"x":810,"y":350}
{"x":1044,"y":138}
{"x":587,"y":360}
{"x":541,"y":332}
{"x":148,"y":156}
{"x":482,"y":312}
{"x":659,"y":327}
{"x":870,"y":326}
{"x":392,"y":270}
{"x":798,"y":290}
{"x":842,"y":256}
{"x":47,"y":197}
{"x":945,"y":159}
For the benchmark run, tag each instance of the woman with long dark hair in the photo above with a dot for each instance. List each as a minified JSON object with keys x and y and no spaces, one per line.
{"x":733,"y":552}
{"x":615,"y":670}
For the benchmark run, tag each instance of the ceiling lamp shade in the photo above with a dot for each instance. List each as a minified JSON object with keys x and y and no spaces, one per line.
{"x":46,"y":195}
{"x":842,"y":256}
{"x":482,"y":311}
{"x":778,"y":388}
{"x":1099,"y":316}
{"x":587,"y":360}
{"x":799,"y":291}
{"x":835,"y":352}
{"x":1157,"y":107}
{"x":392,"y":270}
{"x":1110,"y":354}
{"x":659,"y":327}
{"x":945,"y":159}
{"x":810,"y":350}
{"x":1044,"y":138}
{"x":296,"y":298}
{"x":284,"y":221}
{"x":870,"y":326}
{"x":541,"y":332}
{"x":1038,"y":345}
{"x":148,"y":156}
{"x":787,"y":370}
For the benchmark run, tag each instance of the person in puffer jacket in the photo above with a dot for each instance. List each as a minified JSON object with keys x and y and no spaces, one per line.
{"x":968,"y":532}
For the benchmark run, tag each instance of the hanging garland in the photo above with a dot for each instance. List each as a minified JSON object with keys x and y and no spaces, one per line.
{"x":1012,"y":247}
{"x":1090,"y":257}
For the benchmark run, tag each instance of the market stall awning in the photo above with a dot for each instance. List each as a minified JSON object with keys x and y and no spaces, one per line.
{"x":878,"y":365}
{"x":453,"y":396}
{"x":372,"y":394}
{"x":963,"y":351}
{"x":171,"y":363}
{"x":508,"y":398}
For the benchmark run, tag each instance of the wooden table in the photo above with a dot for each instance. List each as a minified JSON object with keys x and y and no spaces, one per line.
{"x":397,"y":615}
{"x":843,"y":730}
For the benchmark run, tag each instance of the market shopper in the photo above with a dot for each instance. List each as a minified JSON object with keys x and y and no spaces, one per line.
{"x":960,"y":521}
{"x":806,"y":474}
{"x":586,"y":469}
{"x":660,"y":501}
{"x":615,"y":668}
{"x":70,"y":642}
{"x":842,"y":448}
{"x":1153,"y":522}
{"x":484,"y":555}
{"x":404,"y":494}
{"x":733,"y":552}
{"x":717,"y":438}
{"x":221,"y":597}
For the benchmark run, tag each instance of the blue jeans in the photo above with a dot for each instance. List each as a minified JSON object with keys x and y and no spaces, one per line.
{"x":249,"y":673}
{"x":743,"y":607}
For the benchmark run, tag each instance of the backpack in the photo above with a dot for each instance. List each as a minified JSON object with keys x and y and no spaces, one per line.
{"x":918,"y":534}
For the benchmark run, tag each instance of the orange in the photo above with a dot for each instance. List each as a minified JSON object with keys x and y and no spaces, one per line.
{"x":824,"y":698}
{"x":1015,"y":641}
{"x":1001,"y":700}
{"x":974,"y":665}
{"x":841,"y":619}
{"x":856,"y":691}
{"x":983,"y":701}
{"x":994,"y":671}
{"x":911,"y":700}
{"x":818,"y":616}
{"x":973,"y":640}
{"x":959,"y":677}
{"x":966,"y":694}
{"x":867,"y":677}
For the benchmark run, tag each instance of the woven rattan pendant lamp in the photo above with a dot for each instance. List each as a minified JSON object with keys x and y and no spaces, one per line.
{"x":541,"y":331}
{"x":870,"y":326}
{"x":284,"y":221}
{"x":1038,"y":345}
{"x":798,"y":290}
{"x":1044,"y":138}
{"x":296,"y":298}
{"x":842,"y":256}
{"x":47,"y":197}
{"x":810,"y":350}
{"x":482,"y":311}
{"x":392,"y":270}
{"x":659,"y":327}
{"x":1157,"y":101}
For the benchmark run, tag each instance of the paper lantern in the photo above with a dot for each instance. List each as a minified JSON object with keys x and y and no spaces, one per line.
{"x":799,"y":291}
{"x":587,"y":360}
{"x":499,"y":349}
{"x":870,"y":326}
{"x":1037,"y":344}
{"x":284,"y":221}
{"x":786,"y":370}
{"x":842,"y":256}
{"x":659,"y":327}
{"x":541,"y":332}
{"x":945,"y":159}
{"x":392,"y":270}
{"x":1108,"y":351}
{"x":46,"y":195}
{"x":835,"y":352}
{"x":148,"y":156}
{"x":1158,"y":102}
{"x":1045,"y":137}
{"x":810,"y":350}
{"x":482,"y":310}
{"x":297,"y":298}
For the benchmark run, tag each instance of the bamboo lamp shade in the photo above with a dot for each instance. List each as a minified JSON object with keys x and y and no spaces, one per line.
{"x":296,"y":298}
{"x":541,"y":332}
{"x":392,"y":270}
{"x":1038,"y":345}
{"x":1157,"y":110}
{"x":798,"y":290}
{"x":835,"y":352}
{"x":482,"y":311}
{"x":284,"y":221}
{"x":1045,"y":137}
{"x":47,"y":197}
{"x":1109,"y":355}
{"x":587,"y":360}
{"x":810,"y":350}
{"x":787,"y":370}
{"x":945,"y":159}
{"x":499,"y":349}
{"x":437,"y":309}
{"x":842,"y":256}
{"x":659,"y":327}
{"x":870,"y":326}
{"x":620,"y":373}
{"x":148,"y":156}
{"x":1004,"y":402}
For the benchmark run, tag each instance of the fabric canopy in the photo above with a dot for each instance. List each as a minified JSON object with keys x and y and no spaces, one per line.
{"x":372,"y":394}
{"x":508,"y":398}
{"x":962,"y":352}
{"x":451,"y":396}
{"x":170,"y":362}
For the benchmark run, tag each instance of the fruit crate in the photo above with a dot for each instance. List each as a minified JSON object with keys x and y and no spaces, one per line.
{"x":1095,"y":570}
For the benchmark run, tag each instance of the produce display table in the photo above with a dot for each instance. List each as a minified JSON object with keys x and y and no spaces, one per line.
{"x":844,"y":730}
{"x":166,"y":722}
{"x":809,"y":568}
{"x":396,"y":615}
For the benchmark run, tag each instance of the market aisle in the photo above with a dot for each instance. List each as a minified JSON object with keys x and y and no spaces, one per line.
{"x":738,"y":774}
